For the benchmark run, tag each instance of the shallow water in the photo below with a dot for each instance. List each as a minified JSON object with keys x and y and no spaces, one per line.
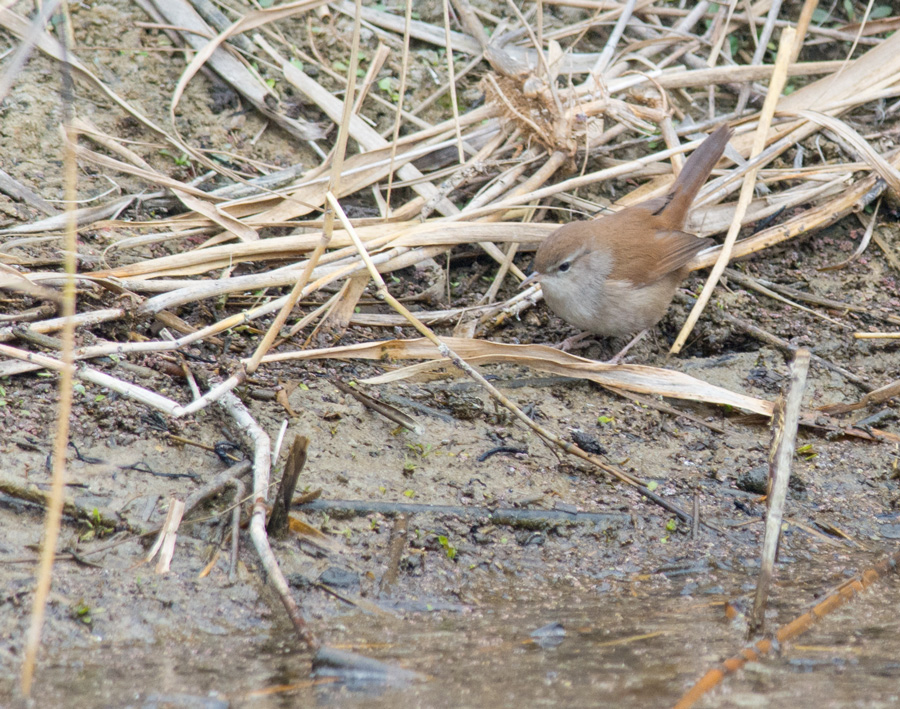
{"x":625,"y":652}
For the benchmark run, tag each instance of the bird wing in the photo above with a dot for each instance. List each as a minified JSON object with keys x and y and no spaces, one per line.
{"x":642,"y":266}
{"x":681,"y":247}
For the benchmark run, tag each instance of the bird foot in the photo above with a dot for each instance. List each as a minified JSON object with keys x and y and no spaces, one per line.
{"x":576,"y":342}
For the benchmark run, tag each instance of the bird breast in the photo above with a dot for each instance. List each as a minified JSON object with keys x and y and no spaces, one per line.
{"x":606,"y":306}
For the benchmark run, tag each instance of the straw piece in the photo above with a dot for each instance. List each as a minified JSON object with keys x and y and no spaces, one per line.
{"x":784,"y":442}
{"x":785,"y":47}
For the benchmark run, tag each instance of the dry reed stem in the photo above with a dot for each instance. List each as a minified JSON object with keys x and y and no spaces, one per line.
{"x":785,"y":47}
{"x":877,"y":335}
{"x":803,"y":20}
{"x":165,"y":543}
{"x":451,"y":79}
{"x":404,"y":69}
{"x":53,"y":515}
{"x":630,"y":377}
{"x":262,"y":464}
{"x":784,"y":441}
{"x":337,"y":164}
{"x":843,"y":594}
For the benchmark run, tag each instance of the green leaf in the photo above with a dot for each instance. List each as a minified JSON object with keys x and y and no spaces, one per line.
{"x":603,"y":420}
{"x":880,"y":11}
{"x":297,"y":64}
{"x":819,"y":16}
{"x":448,"y":547}
{"x":652,"y":485}
{"x":671,"y":525}
{"x":848,"y":8}
{"x":807,"y":451}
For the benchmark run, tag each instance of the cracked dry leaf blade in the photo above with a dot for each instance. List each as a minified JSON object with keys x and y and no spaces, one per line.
{"x":631,"y":377}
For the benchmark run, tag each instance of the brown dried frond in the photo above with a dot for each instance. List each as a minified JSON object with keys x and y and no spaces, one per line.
{"x":565,"y":121}
{"x":528,"y":103}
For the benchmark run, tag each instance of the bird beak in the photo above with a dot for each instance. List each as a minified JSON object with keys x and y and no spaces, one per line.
{"x":535,"y":277}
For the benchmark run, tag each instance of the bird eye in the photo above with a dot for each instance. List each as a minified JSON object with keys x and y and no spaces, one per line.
{"x":564,"y":266}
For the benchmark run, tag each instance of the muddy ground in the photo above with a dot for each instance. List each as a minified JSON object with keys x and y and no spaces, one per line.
{"x":641,"y":599}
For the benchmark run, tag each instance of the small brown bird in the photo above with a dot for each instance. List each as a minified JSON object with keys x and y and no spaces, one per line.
{"x":616,"y":275}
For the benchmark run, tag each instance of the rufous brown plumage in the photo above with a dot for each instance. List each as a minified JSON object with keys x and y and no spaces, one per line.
{"x":616,"y":275}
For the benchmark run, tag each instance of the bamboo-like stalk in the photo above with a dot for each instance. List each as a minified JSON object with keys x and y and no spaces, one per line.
{"x":844,"y":593}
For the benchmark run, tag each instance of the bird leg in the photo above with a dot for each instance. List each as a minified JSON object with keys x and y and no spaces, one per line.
{"x":617,"y":359}
{"x":576,"y":342}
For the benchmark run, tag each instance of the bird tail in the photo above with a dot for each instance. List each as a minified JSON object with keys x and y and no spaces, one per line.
{"x":694,"y":174}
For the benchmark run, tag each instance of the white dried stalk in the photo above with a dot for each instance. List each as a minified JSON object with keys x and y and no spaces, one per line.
{"x":168,"y":536}
{"x":784,"y":442}
{"x":262,"y":465}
